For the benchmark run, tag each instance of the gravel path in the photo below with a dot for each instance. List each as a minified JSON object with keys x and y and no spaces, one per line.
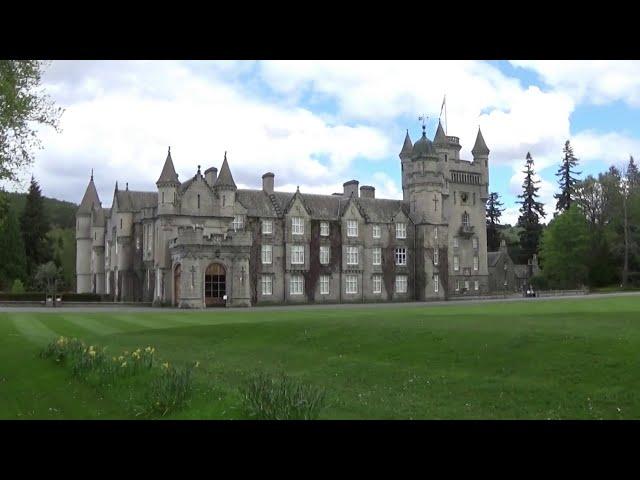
{"x":129,"y":308}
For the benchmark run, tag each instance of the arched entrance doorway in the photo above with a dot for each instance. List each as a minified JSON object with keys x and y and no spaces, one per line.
{"x":215,"y":285}
{"x":176,"y":284}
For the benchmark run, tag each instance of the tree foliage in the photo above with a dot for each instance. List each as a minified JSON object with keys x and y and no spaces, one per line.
{"x":567,"y":180}
{"x":13,"y":262}
{"x":494,"y":212}
{"x":23,"y":106}
{"x":35,"y":225}
{"x":530,"y":211}
{"x":564,"y":248}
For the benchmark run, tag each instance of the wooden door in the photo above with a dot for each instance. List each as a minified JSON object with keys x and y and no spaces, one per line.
{"x":215,"y":285}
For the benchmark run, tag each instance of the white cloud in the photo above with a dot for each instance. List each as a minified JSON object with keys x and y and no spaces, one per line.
{"x":594,"y":81}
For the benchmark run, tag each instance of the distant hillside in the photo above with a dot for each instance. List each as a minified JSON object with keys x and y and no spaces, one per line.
{"x":61,"y":214}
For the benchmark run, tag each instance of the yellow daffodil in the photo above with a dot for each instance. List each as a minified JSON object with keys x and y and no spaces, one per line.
{"x":120,"y":358}
{"x":165,"y":365}
{"x":197,"y":364}
{"x":124,"y":364}
{"x":92,"y":353}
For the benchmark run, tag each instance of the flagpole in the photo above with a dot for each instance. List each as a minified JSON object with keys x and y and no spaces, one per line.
{"x":445,"y":116}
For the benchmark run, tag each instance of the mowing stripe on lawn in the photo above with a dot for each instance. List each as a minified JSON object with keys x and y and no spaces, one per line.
{"x":33,"y":330}
{"x":154,"y":323}
{"x":92,"y":325}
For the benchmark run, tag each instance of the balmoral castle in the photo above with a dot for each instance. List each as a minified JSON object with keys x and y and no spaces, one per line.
{"x":204,"y":242}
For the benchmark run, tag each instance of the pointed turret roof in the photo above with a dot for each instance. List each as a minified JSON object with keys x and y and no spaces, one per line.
{"x":440,"y":136}
{"x":225,"y":179}
{"x":480,"y":147}
{"x":90,"y":198}
{"x":168,"y":174}
{"x":407,"y":147}
{"x":423,"y":147}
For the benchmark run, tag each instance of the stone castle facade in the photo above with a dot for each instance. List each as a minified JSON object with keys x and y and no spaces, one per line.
{"x":204,"y":242}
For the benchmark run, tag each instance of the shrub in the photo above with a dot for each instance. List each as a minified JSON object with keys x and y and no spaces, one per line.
{"x":539,"y":282}
{"x":17,"y":287}
{"x":170,"y":390}
{"x":281,"y":397}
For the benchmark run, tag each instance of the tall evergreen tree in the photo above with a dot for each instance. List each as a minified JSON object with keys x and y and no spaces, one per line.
{"x":567,"y":179}
{"x":35,"y":225}
{"x":530,"y":211}
{"x":494,"y":212}
{"x":13,"y":262}
{"x":633,"y":176}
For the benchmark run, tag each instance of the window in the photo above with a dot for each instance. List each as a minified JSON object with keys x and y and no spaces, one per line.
{"x":377,"y":256}
{"x":162,"y":197}
{"x":435,"y":256}
{"x":475,"y":243}
{"x":324,"y":229}
{"x":376,"y":231}
{"x":120,"y":223}
{"x":238,"y":223}
{"x":456,"y":263}
{"x":352,"y":255}
{"x":267,"y":227}
{"x":455,"y":242}
{"x":297,"y":254}
{"x":465,"y":219}
{"x":435,"y":233}
{"x":267,"y":254}
{"x":401,"y":284}
{"x":476,"y":285}
{"x":324,"y":284}
{"x":457,"y":285}
{"x":466,"y":285}
{"x":436,"y":283}
{"x":401,"y":230}
{"x":297,"y":225}
{"x":401,"y":256}
{"x":267,"y":285}
{"x":296,"y":285}
{"x":198,"y":200}
{"x":324,"y":255}
{"x":352,"y":228}
{"x":377,"y":284}
{"x":475,"y":263}
{"x":95,"y":235}
{"x":137,"y":243}
{"x":116,"y":246}
{"x":352,"y":284}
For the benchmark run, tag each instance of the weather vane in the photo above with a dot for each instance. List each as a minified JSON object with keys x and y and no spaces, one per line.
{"x":423,"y":118}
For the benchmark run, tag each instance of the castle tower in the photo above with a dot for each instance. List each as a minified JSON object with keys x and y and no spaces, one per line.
{"x":84,"y":239}
{"x":168,"y":184}
{"x":97,"y":253}
{"x":405,"y":160}
{"x":480,"y":154}
{"x":226,"y":189}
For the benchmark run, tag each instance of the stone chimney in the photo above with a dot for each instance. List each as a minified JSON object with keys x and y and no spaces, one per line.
{"x":351,"y":188}
{"x":210,"y":175}
{"x":267,"y":183}
{"x":367,"y":191}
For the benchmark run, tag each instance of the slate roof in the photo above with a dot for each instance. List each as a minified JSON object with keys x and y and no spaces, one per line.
{"x":440,"y":136}
{"x":90,"y":199}
{"x":133,"y":201}
{"x":168,"y":174}
{"x":422,"y":147}
{"x":257,"y":203}
{"x":521,"y":271}
{"x":225,"y":179}
{"x":407,"y":146}
{"x":492,"y":258}
{"x":480,"y":147}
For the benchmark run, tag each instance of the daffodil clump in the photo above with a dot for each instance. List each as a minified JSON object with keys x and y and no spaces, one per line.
{"x":171,"y":390}
{"x":62,"y":349}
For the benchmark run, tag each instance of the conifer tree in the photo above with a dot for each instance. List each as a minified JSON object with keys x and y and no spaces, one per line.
{"x":633,"y":176}
{"x":494,"y":212}
{"x":567,"y":179}
{"x":35,"y":225}
{"x":13,"y":262}
{"x":530,"y":211}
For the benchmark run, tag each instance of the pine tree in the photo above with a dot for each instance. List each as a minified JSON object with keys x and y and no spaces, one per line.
{"x":633,"y":176}
{"x":567,"y":179}
{"x":494,"y":212}
{"x":530,"y":211}
{"x":13,"y":262}
{"x":34,"y":225}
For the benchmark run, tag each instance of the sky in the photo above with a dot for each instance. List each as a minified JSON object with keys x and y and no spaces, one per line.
{"x":318,"y":124}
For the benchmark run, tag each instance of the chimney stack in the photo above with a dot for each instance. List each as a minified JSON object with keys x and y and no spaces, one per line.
{"x":367,"y":191}
{"x":351,"y":188}
{"x":267,"y":183}
{"x":210,"y":176}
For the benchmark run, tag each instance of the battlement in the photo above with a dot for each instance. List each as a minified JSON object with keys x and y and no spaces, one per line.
{"x":194,"y":235}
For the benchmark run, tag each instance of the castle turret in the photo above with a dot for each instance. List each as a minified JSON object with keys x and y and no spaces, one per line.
{"x":97,"y":254}
{"x":226,"y":188}
{"x":84,"y":238}
{"x":405,"y":159}
{"x":168,"y":184}
{"x":480,"y":154}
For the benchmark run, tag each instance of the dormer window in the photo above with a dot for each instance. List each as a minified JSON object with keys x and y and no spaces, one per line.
{"x":297,"y":225}
{"x":352,"y":228}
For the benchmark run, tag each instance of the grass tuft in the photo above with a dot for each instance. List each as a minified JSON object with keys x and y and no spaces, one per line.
{"x":267,"y":397}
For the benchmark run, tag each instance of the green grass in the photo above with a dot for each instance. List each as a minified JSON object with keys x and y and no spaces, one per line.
{"x":559,"y":359}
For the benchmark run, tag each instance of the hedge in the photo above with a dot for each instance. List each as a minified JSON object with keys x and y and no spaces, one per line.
{"x":66,"y":297}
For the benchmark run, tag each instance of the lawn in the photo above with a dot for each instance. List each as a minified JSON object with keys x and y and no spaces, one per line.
{"x":534,"y":359}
